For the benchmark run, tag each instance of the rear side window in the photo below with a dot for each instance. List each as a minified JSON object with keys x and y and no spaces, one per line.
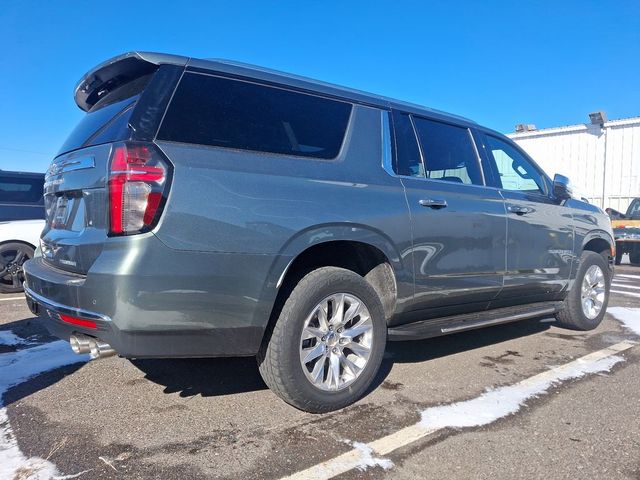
{"x":407,"y":160}
{"x":209,"y":110}
{"x":449,"y":154}
{"x":20,"y":190}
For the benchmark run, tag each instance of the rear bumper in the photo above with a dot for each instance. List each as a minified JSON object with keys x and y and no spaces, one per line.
{"x":230,"y":342}
{"x":186,"y":304}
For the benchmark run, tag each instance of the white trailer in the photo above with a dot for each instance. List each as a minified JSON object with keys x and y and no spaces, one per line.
{"x":602,"y":158}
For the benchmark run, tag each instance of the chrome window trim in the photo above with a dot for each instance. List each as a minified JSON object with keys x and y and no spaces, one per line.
{"x":387,"y":154}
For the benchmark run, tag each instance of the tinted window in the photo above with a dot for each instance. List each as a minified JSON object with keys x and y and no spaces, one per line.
{"x":20,"y":190}
{"x":449,"y":154}
{"x":227,"y":113}
{"x":91,"y":125}
{"x":513,"y":170}
{"x":634,"y":209}
{"x":407,"y":159}
{"x":107,"y":121}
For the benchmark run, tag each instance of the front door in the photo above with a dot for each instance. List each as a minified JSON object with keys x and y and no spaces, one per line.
{"x":540,"y":230}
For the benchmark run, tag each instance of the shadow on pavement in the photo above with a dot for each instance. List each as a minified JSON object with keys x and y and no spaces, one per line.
{"x":225,"y":376}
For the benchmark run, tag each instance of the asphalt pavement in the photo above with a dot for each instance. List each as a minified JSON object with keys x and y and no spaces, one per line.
{"x":524,"y":400}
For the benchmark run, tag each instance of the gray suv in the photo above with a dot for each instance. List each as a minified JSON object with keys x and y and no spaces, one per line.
{"x":210,"y":208}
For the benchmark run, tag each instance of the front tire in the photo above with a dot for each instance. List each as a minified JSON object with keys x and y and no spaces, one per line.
{"x":327,"y":343}
{"x":586,"y":303}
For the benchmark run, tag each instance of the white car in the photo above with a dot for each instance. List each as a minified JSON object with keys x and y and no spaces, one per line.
{"x":18,"y":241}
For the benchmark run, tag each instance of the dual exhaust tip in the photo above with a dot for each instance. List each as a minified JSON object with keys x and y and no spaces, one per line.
{"x":83,"y":344}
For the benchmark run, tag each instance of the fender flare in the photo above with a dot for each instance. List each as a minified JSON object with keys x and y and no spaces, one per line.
{"x":311,"y":237}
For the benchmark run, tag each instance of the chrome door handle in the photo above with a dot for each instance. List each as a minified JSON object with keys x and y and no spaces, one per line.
{"x":519,"y":210}
{"x":433,"y":203}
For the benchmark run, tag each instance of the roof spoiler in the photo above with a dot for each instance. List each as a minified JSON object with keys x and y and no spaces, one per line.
{"x":117,"y":71}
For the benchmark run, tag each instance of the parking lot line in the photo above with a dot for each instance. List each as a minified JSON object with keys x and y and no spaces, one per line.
{"x":624,"y":285}
{"x":628,"y":294}
{"x":11,"y":298}
{"x":622,"y":275}
{"x":505,"y":400}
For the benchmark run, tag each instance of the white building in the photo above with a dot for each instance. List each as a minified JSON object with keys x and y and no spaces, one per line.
{"x":601,"y":159}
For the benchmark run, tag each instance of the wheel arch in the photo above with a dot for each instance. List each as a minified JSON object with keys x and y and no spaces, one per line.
{"x":598,"y":241}
{"x":359,"y":248}
{"x":24,"y":242}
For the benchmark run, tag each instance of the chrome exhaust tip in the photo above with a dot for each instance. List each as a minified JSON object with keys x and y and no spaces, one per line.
{"x":83,"y":344}
{"x":100,"y":349}
{"x":80,"y":344}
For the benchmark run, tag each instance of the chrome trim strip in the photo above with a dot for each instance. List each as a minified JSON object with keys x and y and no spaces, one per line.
{"x":497,"y":321}
{"x":386,"y":143}
{"x":78,"y":164}
{"x":59,"y":308}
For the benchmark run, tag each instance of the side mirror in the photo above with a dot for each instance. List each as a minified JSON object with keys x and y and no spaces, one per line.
{"x":562,"y":189}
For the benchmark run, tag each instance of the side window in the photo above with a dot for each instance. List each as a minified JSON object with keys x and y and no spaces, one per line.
{"x":21,"y":190}
{"x":209,"y":110}
{"x":514,"y":171}
{"x":449,"y":154}
{"x":407,"y":160}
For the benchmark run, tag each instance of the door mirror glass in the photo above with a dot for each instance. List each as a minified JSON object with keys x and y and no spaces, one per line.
{"x":562,"y":187}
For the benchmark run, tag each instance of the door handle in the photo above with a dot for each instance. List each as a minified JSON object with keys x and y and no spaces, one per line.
{"x":519,"y":210}
{"x":433,"y":203}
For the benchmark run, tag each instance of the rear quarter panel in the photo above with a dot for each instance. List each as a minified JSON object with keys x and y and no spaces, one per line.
{"x":249,"y":203}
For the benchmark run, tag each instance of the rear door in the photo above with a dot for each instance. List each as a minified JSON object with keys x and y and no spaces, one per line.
{"x":459,"y":225}
{"x":540,"y":231}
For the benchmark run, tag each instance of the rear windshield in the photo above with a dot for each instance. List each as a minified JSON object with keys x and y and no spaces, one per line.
{"x":20,"y":189}
{"x":209,"y":110}
{"x":108,"y":120}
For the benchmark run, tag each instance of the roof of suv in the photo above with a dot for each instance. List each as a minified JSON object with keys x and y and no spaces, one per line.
{"x":142,"y":60}
{"x":21,"y":174}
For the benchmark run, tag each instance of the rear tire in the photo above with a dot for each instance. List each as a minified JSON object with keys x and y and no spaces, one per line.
{"x":12,"y":257}
{"x":282,"y":356}
{"x":586,"y":303}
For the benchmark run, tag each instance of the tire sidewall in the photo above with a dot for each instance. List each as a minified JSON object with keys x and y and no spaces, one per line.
{"x":588,"y":259}
{"x":20,"y":247}
{"x":336,"y":281}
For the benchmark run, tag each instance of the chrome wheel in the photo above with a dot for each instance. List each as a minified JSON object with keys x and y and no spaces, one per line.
{"x":336,"y":342}
{"x":593,"y":291}
{"x":12,"y":258}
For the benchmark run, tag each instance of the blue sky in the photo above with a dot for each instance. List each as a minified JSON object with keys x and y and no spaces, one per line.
{"x":497,"y":62}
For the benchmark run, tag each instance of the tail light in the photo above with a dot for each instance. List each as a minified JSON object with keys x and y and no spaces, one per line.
{"x":138,"y":185}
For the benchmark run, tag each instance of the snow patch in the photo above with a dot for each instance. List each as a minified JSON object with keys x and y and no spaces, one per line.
{"x":367,"y":459}
{"x":9,"y":338}
{"x":629,"y":317}
{"x":503,"y":401}
{"x":15,"y":368}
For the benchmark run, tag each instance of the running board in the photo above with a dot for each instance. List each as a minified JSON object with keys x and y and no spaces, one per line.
{"x":470,"y":321}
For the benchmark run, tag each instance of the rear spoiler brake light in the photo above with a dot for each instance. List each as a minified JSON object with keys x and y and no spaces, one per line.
{"x":118,"y":71}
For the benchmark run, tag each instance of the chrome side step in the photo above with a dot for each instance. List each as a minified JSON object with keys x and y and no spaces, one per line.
{"x":498,"y":321}
{"x":470,"y":321}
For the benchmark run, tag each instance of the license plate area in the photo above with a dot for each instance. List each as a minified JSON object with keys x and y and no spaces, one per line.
{"x":67,"y":212}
